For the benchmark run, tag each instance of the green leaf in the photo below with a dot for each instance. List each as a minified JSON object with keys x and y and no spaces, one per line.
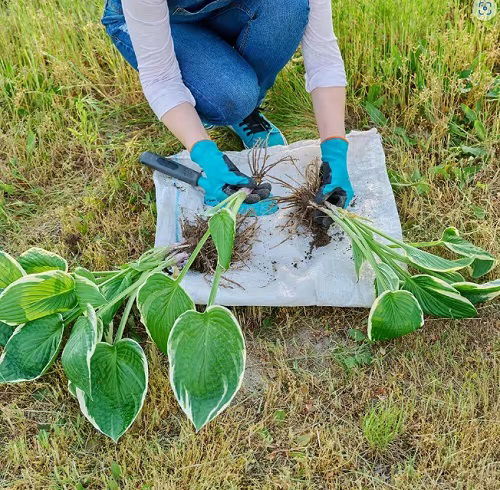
{"x":31,"y":349}
{"x":79,"y":349}
{"x":206,"y":353}
{"x":81,"y":271}
{"x":356,"y":334}
{"x":358,"y":258}
{"x":394,"y":314}
{"x":10,"y":270}
{"x":87,"y":293}
{"x":37,"y":295}
{"x":375,"y":114}
{"x":483,"y":262}
{"x":222,"y":226}
{"x":113,"y":289}
{"x":386,"y":280}
{"x":469,"y":113}
{"x":478,"y":293}
{"x":438,"y":298}
{"x":449,"y":277}
{"x":432,"y":262}
{"x":161,"y":300}
{"x":37,"y":260}
{"x":119,"y":378}
{"x":6,"y":332}
{"x":473,"y":150}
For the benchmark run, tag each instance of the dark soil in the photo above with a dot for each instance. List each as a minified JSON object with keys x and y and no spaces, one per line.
{"x":206,"y":262}
{"x":300,"y":203}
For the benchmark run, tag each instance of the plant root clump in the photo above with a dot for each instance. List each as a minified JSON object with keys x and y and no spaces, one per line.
{"x":206,"y":261}
{"x":299,"y":202}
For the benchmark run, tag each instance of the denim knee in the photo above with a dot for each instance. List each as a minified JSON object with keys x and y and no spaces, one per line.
{"x":229,"y":102}
{"x":290,"y":14}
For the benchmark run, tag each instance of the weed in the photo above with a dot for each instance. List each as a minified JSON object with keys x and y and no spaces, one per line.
{"x":383,"y":424}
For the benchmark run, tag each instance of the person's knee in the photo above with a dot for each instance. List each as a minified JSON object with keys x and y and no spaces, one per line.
{"x":291,"y":14}
{"x":230,"y":101}
{"x":300,"y":10}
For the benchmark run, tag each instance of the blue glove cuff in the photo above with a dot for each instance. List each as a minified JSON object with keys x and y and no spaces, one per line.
{"x":334,"y":152}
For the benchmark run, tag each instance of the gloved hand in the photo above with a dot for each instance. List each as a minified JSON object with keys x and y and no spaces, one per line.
{"x":222,"y":177}
{"x":336,"y":187}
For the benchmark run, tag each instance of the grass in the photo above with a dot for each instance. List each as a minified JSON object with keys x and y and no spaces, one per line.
{"x":73,"y":121}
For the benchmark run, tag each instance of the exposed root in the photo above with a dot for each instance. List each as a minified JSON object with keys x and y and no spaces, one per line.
{"x":206,"y":261}
{"x":258,"y":162}
{"x":299,"y":202}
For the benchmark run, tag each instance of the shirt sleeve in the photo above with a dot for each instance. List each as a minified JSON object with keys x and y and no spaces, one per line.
{"x":149,"y":28}
{"x":322,"y":58}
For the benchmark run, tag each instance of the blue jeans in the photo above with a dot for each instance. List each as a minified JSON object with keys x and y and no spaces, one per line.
{"x":239,"y":46}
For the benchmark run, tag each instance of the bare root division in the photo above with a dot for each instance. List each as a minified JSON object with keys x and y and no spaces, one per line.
{"x":206,"y":261}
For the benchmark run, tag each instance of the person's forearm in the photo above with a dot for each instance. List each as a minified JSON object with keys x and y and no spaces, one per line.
{"x":185,"y":124}
{"x":329,"y":109}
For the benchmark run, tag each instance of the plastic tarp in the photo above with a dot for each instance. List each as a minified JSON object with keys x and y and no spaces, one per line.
{"x":284,"y":270}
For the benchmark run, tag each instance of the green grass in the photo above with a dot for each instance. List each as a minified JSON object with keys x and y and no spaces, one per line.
{"x":72,"y":123}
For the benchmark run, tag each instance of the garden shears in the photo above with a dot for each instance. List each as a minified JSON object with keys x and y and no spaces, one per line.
{"x":192,"y":177}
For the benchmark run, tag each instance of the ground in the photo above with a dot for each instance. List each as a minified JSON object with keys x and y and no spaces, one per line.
{"x":319,"y":409}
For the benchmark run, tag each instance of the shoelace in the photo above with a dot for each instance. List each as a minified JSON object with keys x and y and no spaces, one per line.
{"x":255,"y":123}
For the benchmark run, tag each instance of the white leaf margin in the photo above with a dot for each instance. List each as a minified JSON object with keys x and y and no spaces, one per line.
{"x":47,"y":366}
{"x":376,"y":303}
{"x":80,"y":395}
{"x":47,"y":253}
{"x":186,"y":407}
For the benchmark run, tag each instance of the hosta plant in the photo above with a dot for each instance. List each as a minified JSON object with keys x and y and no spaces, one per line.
{"x":438,"y":288}
{"x":43,"y":305}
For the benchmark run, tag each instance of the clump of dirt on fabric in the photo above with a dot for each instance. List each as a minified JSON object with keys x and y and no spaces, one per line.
{"x":301,"y":209}
{"x":206,"y":261}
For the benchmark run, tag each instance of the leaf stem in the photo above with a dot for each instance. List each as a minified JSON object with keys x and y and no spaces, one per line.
{"x":115,"y":276}
{"x":125,"y":315}
{"x":355,"y":235}
{"x":193,"y":256}
{"x":382,"y":234}
{"x":215,"y":285}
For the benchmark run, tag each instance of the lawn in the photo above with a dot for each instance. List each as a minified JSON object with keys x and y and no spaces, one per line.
{"x":319,"y":408}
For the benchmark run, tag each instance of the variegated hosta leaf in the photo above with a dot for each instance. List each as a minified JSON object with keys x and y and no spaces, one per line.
{"x":206,"y":353}
{"x":478,"y":293}
{"x":386,"y":280}
{"x":6,"y":332}
{"x":161,"y":300}
{"x":483,"y":261}
{"x":37,"y":260}
{"x":37,"y":295}
{"x":31,"y":349}
{"x":79,"y":349}
{"x":394,"y":314}
{"x":10,"y":270}
{"x":449,"y":277}
{"x":81,"y":271}
{"x":433,"y":262}
{"x":358,"y":258}
{"x":222,"y":226}
{"x":87,"y":293}
{"x":438,"y":298}
{"x":119,"y":377}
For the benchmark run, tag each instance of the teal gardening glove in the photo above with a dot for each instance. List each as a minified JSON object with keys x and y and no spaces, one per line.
{"x":336,"y":187}
{"x":222,"y":178}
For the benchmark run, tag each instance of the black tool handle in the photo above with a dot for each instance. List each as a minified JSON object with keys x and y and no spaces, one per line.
{"x":170,"y":168}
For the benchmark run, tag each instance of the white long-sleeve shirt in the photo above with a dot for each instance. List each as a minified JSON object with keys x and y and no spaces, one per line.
{"x":149,"y":28}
